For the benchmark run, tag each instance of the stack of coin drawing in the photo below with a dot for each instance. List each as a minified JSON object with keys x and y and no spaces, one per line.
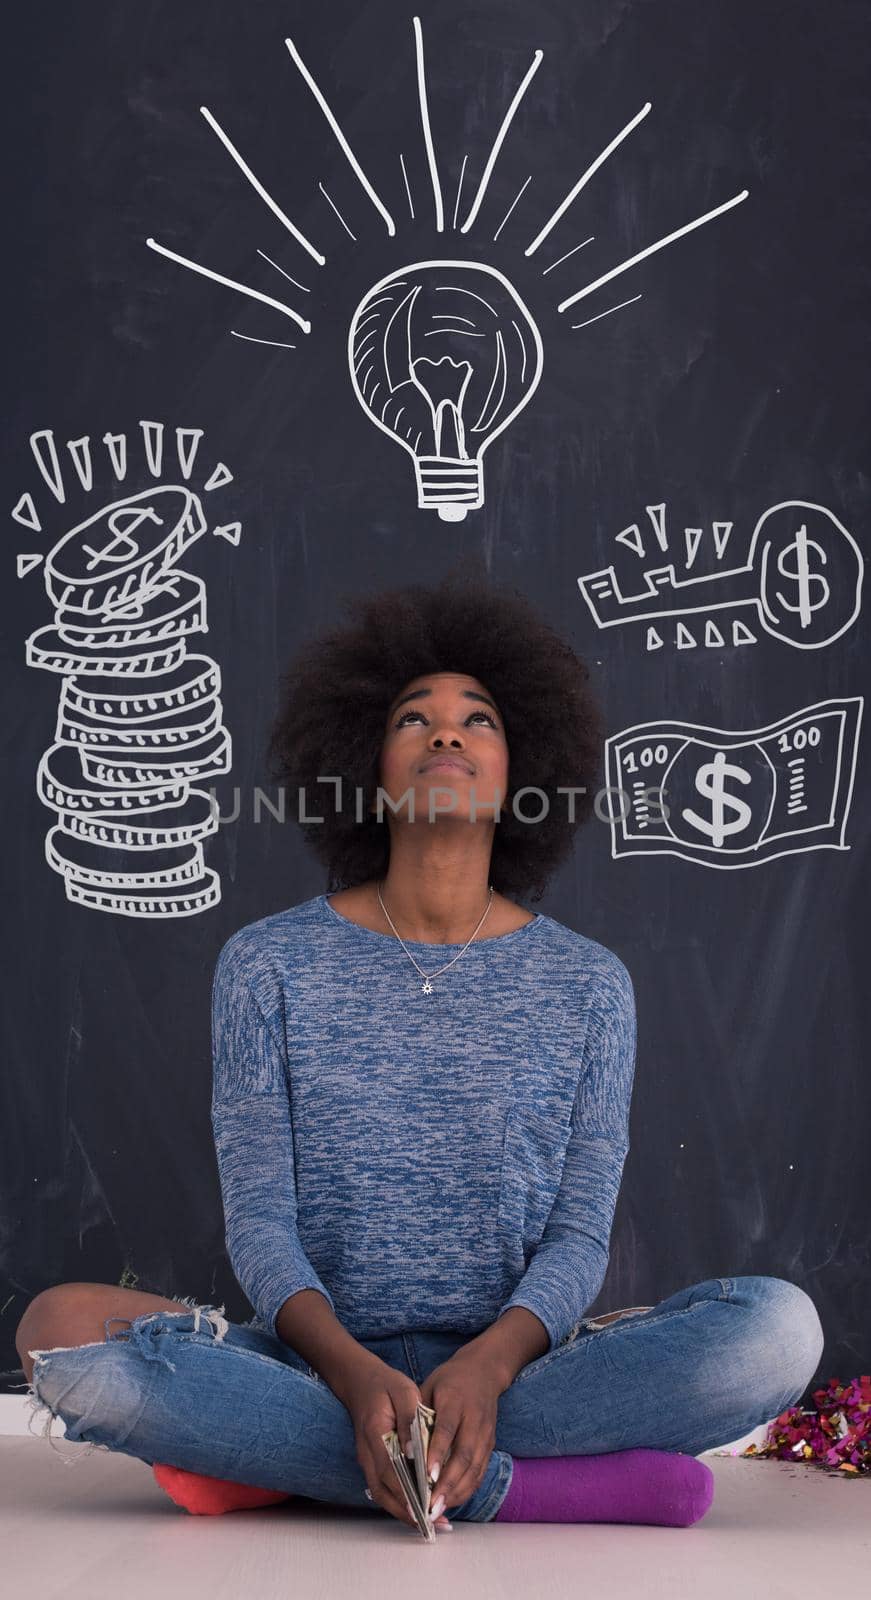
{"x":139,"y":721}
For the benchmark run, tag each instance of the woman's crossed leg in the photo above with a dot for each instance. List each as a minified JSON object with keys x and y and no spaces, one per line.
{"x":230,"y":1401}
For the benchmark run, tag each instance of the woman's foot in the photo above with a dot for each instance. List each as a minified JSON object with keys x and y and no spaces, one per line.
{"x":209,"y":1497}
{"x":662,"y":1487}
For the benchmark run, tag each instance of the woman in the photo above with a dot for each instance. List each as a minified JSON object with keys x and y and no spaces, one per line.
{"x":420,"y":1104}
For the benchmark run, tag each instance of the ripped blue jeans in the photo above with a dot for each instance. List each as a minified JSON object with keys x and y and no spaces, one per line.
{"x":700,"y":1369}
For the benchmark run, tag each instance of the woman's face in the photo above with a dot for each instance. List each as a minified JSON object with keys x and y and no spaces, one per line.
{"x":445,"y":716}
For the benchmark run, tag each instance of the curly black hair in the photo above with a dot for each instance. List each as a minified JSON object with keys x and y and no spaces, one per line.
{"x":335,"y":696}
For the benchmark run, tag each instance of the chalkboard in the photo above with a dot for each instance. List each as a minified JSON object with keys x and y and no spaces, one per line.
{"x":305,"y":301}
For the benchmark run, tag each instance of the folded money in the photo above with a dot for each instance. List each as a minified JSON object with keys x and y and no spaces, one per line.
{"x":417,"y":1486}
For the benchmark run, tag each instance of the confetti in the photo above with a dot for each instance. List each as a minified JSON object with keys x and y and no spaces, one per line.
{"x":836,"y":1436}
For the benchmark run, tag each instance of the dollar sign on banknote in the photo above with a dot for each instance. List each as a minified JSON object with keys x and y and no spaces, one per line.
{"x":711,"y":779}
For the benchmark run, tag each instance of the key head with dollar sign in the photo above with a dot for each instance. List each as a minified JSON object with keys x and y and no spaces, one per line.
{"x":810,"y":574}
{"x":124,"y":552}
{"x":803,"y":577}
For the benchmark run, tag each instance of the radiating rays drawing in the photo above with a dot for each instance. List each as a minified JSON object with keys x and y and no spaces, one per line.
{"x":139,"y":721}
{"x":442,"y":403}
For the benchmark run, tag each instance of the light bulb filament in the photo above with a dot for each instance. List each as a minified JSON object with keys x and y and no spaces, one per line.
{"x":443,"y":383}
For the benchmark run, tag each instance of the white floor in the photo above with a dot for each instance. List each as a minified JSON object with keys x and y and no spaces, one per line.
{"x":84,"y":1529}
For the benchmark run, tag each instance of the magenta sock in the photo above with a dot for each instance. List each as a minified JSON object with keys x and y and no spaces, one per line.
{"x":656,"y":1486}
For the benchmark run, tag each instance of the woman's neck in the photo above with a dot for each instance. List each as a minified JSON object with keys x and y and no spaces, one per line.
{"x":361,"y":905}
{"x":435,"y":907}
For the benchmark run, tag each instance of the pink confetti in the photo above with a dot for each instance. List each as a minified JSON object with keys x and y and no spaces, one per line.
{"x":835,"y":1436}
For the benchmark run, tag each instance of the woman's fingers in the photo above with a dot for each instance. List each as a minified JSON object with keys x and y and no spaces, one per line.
{"x":387,"y":1494}
{"x":465,"y":1468}
{"x":391,"y":1496}
{"x":442,"y":1437}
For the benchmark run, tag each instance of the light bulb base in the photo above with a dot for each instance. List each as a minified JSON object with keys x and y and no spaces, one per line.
{"x":449,"y":485}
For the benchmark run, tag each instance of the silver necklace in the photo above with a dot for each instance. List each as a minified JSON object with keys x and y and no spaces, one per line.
{"x":427,"y":986}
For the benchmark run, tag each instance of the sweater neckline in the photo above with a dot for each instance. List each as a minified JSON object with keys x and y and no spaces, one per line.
{"x":424,"y":944}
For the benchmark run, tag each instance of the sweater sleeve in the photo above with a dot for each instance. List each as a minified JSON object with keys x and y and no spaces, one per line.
{"x":569,"y":1265}
{"x":253,"y":1133}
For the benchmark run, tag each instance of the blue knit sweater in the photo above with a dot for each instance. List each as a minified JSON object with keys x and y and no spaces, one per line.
{"x":424,"y":1160}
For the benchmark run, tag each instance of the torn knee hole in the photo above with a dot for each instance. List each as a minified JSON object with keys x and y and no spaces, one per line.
{"x":215,"y":1318}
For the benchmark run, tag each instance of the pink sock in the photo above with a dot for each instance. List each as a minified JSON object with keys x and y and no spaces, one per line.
{"x":209,"y":1497}
{"x":655,"y":1486}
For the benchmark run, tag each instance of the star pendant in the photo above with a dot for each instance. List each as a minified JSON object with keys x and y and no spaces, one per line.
{"x":427,"y":988}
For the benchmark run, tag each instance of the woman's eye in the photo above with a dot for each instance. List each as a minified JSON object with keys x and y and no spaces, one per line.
{"x":415,"y":713}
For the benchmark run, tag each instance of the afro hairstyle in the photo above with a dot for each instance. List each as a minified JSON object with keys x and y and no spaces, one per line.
{"x":335,"y":695}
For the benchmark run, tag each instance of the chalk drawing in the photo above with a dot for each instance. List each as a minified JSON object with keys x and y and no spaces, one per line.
{"x":734,"y":799}
{"x":139,"y":722}
{"x":446,"y":402}
{"x":448,"y":476}
{"x":802,"y":578}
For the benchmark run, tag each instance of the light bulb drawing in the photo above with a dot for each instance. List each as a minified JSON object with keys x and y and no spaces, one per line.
{"x":447,"y":401}
{"x":444,"y":402}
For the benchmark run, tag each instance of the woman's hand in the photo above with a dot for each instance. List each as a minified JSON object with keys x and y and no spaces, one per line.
{"x":379,"y":1399}
{"x":464,"y":1393}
